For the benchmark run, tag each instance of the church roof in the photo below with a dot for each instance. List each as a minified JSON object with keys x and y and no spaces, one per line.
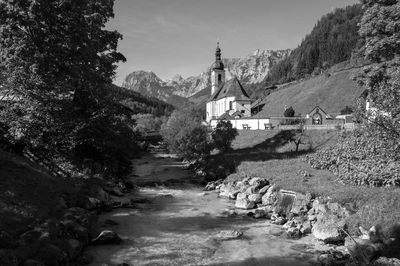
{"x":231,"y":88}
{"x":225,"y":116}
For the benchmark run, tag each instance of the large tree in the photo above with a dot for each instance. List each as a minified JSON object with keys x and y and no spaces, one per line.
{"x":380,"y":28}
{"x":55,"y":58}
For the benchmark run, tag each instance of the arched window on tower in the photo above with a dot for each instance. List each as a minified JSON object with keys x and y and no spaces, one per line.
{"x":219,"y":78}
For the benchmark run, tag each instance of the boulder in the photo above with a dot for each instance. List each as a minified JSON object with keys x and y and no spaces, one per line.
{"x":383,"y":261}
{"x":210,"y":186}
{"x":289,"y":224}
{"x":305,"y":228}
{"x":264,"y":189}
{"x":301,"y":203}
{"x":233,"y":194}
{"x":363,"y":251}
{"x":279,"y":220}
{"x":251,"y":190}
{"x":327,"y":229}
{"x":258,"y":182}
{"x":107,"y":237}
{"x":244,"y":204}
{"x":293,"y":233}
{"x":226,"y":189}
{"x":256,"y":198}
{"x":262,"y":212}
{"x":228,"y":235}
{"x":271,"y":196}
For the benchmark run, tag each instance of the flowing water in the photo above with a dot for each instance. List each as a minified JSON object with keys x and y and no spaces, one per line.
{"x":179,"y":224}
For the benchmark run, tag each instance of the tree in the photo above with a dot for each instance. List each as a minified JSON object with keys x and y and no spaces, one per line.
{"x":346,"y":111}
{"x":56,"y":58}
{"x":299,"y":136}
{"x":223,"y":135}
{"x":379,"y":27}
{"x":57,"y":62}
{"x":186,"y":136}
{"x":289,"y":112}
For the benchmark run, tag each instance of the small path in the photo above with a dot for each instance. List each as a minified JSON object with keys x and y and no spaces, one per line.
{"x":178,"y":224}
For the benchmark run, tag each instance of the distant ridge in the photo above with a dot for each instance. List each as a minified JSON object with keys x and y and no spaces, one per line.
{"x":251,"y":69}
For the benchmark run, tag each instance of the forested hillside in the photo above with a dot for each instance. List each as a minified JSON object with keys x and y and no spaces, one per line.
{"x":333,"y":40}
{"x":139,"y":103}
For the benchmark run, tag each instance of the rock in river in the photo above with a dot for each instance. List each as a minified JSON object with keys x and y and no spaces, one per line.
{"x":107,"y":237}
{"x":229,"y":234}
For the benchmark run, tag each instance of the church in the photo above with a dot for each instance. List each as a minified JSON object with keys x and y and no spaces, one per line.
{"x":229,"y":100}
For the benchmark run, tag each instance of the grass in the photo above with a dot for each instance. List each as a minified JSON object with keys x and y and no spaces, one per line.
{"x":266,"y":154}
{"x":332,"y":93}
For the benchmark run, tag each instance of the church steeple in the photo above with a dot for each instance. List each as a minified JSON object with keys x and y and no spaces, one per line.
{"x":218,"y":71}
{"x":218,"y":62}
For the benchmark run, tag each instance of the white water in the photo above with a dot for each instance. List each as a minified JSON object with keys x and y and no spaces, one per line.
{"x":183,"y":230}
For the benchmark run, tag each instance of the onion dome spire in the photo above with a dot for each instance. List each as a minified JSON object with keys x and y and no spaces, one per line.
{"x":218,"y":62}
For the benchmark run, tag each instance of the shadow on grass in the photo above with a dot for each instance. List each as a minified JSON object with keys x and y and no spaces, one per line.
{"x":278,"y":147}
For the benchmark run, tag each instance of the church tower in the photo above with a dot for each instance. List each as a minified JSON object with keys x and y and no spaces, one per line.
{"x":218,"y":71}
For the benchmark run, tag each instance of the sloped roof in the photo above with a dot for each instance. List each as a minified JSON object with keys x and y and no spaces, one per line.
{"x":321,"y":111}
{"x":225,"y":116}
{"x":231,"y":88}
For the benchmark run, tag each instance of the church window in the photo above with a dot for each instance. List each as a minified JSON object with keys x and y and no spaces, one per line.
{"x":230,"y":105}
{"x":219,"y":77}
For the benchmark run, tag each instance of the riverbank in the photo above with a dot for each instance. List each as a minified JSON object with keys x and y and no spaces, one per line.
{"x":177,"y":223}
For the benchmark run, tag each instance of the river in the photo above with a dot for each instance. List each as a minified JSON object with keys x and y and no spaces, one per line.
{"x":179,"y":224}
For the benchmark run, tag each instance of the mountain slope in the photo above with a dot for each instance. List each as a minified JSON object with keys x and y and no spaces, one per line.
{"x":332,"y":40}
{"x":251,"y":69}
{"x":332,"y":92}
{"x":150,"y":85}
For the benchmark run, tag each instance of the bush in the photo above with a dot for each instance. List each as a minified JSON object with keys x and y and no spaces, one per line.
{"x":361,"y":158}
{"x":223,"y":135}
{"x":186,"y":136}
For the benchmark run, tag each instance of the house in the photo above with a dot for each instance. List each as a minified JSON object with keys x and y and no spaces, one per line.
{"x":228,"y":98}
{"x":317,"y":116}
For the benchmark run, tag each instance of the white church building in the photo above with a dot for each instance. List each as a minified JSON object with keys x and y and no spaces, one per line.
{"x":229,"y":100}
{"x":227,"y":97}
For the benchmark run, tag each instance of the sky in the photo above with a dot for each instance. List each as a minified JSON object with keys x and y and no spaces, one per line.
{"x":172,"y":37}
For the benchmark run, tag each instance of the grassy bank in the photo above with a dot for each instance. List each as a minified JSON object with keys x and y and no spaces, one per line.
{"x":267,"y":154}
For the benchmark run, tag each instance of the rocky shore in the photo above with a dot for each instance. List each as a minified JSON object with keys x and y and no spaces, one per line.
{"x":303,"y":214}
{"x":62,"y":239}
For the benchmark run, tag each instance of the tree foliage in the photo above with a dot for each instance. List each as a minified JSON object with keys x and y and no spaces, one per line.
{"x":371,"y":156}
{"x":185,"y":134}
{"x":57,"y":62}
{"x":223,"y":135}
{"x":289,"y":112}
{"x":332,"y":40}
{"x":380,"y":27}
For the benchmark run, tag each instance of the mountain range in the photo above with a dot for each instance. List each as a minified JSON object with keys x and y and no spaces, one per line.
{"x":251,"y":69}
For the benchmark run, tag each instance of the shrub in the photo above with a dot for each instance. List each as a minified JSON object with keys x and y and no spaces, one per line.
{"x":361,"y":158}
{"x":186,"y":136}
{"x":223,"y":135}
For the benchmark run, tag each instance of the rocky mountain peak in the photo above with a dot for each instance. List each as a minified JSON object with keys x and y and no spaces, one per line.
{"x":249,"y":70}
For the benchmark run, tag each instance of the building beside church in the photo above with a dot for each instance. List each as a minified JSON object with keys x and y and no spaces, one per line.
{"x":228,"y":98}
{"x":230,"y":101}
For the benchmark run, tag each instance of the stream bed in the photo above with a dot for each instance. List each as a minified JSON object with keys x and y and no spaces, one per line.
{"x":179,"y":224}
